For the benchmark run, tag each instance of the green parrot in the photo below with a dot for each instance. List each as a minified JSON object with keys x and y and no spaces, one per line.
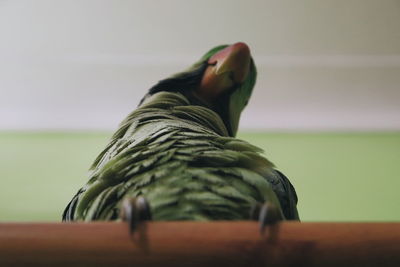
{"x":176,"y":156}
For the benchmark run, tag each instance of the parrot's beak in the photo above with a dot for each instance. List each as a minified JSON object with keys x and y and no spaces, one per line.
{"x":235,"y":59}
{"x":227,"y":68}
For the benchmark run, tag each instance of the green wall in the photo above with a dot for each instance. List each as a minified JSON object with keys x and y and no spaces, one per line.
{"x":338,"y":176}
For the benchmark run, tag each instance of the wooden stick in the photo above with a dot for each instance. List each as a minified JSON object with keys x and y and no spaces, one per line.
{"x":200,"y":244}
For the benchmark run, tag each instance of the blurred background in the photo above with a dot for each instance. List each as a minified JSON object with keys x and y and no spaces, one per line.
{"x":326,"y":107}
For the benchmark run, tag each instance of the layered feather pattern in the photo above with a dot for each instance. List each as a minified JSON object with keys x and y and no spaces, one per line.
{"x":180,"y":157}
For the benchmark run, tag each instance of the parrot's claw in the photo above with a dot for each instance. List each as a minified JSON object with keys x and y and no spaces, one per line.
{"x":134,"y":211}
{"x":269,"y":214}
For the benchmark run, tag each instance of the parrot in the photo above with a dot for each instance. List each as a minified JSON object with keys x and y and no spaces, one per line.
{"x":176,"y":158}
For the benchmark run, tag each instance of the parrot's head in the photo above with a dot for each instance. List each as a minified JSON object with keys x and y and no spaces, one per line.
{"x":222,"y":80}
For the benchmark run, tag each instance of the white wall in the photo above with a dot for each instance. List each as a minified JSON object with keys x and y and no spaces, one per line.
{"x":323,"y":65}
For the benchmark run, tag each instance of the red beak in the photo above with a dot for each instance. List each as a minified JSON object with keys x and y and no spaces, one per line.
{"x":234,"y":58}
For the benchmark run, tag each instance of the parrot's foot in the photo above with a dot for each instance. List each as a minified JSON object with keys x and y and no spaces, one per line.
{"x":267,"y":214}
{"x":134,"y":211}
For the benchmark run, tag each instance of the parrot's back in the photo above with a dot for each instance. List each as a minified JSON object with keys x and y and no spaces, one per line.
{"x":178,"y":156}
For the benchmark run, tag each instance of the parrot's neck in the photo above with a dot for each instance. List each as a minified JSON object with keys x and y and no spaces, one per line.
{"x":183,"y":106}
{"x":219,"y":106}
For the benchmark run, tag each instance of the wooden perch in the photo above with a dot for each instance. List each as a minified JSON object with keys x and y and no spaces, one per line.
{"x":201,"y":244}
